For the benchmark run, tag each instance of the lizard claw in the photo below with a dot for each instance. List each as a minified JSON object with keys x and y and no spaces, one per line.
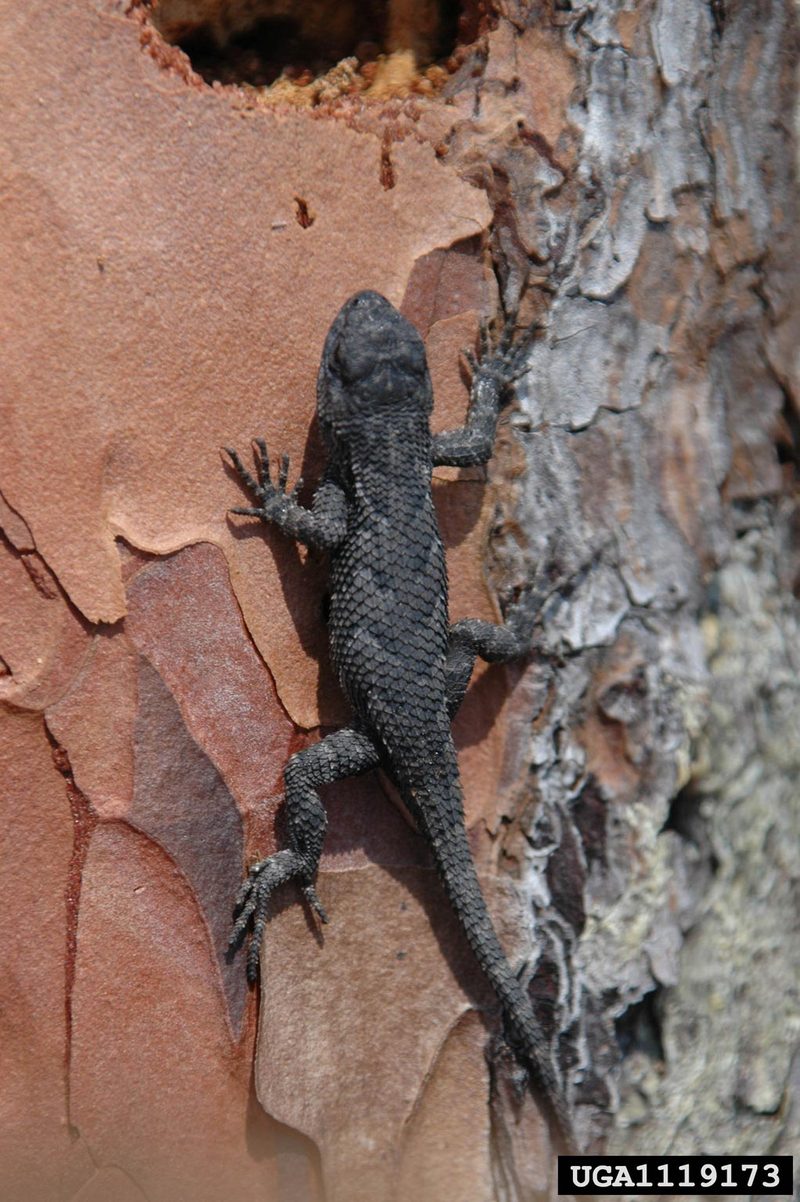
{"x":483,"y":338}
{"x":312,"y":898}
{"x":261,"y":455}
{"x":233,"y":455}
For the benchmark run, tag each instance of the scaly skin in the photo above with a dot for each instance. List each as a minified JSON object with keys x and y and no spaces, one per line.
{"x":402,"y":666}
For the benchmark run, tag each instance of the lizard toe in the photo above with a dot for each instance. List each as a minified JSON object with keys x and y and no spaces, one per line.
{"x":252,"y":900}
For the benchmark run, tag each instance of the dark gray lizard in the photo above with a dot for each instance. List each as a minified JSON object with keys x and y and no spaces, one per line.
{"x":403,"y":667}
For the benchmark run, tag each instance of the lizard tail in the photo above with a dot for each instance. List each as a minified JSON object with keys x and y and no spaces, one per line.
{"x":447,"y":837}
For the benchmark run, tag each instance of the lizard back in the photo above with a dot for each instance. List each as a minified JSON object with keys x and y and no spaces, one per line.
{"x":388,"y":615}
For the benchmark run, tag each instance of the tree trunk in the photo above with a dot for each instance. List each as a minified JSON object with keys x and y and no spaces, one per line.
{"x":176,"y":239}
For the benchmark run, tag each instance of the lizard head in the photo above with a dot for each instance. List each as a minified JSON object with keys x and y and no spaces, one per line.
{"x":373,"y":364}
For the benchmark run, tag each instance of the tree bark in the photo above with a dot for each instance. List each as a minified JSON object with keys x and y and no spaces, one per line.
{"x":172,"y":254}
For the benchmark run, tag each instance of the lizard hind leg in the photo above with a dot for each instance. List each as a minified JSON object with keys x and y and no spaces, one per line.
{"x":346,"y":752}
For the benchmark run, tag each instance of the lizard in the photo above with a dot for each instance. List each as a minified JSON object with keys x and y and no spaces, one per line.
{"x":402,"y":666}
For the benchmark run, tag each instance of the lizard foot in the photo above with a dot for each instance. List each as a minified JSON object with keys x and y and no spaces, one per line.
{"x":523,"y":614}
{"x":252,"y":901}
{"x":507,"y":359}
{"x":272,"y":498}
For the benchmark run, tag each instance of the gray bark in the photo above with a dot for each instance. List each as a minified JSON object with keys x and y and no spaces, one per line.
{"x":661,"y":843}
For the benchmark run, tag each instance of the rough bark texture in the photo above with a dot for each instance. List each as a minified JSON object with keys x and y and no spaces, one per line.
{"x":172,"y":254}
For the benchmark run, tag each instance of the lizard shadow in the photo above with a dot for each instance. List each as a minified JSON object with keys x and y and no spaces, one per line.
{"x":426,"y":889}
{"x":483,"y":703}
{"x":368,"y":828}
{"x":303,"y":577}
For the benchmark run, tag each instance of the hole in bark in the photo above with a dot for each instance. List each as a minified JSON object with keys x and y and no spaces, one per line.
{"x":304,"y":216}
{"x":684,"y":816}
{"x":787,"y":438}
{"x":256,"y":42}
{"x":387,"y":175}
{"x":639,"y":1028}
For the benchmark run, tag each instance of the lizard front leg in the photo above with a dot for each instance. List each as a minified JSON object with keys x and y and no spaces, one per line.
{"x":323,"y":525}
{"x":493,"y":373}
{"x":346,"y":752}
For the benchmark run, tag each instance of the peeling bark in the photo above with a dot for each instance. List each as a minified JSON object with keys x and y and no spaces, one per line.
{"x":171,"y":256}
{"x":657,"y":406}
